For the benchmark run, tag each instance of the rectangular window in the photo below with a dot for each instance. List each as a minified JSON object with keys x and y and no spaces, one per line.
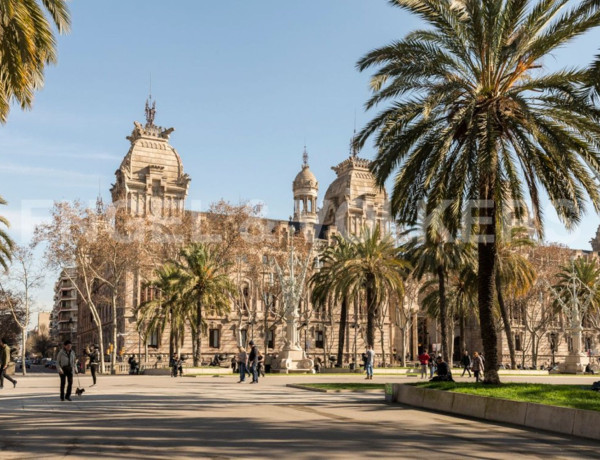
{"x":214,"y":338}
{"x":319,"y":339}
{"x":244,"y":337}
{"x":152,"y":339}
{"x":518,"y":344}
{"x":570,"y":343}
{"x":271,"y":338}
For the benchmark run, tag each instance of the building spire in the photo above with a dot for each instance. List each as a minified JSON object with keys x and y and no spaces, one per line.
{"x":150,"y":111}
{"x":305,"y":158}
{"x":353,"y":147}
{"x":99,"y":201}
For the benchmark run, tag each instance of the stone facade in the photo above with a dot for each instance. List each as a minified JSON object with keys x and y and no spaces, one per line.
{"x":151,"y":183}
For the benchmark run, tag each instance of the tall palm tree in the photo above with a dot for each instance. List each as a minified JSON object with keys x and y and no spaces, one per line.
{"x":205,"y":285}
{"x":432,"y":254}
{"x":166,"y":309}
{"x":476,"y":120}
{"x":514,"y":274}
{"x":6,"y":244}
{"x":327,"y":287}
{"x":375,"y":270}
{"x":27,"y":46}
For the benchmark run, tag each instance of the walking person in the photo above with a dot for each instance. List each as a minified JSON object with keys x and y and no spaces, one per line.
{"x":94,"y":355}
{"x":65,"y":364}
{"x":424,"y":361}
{"x":478,"y":366}
{"x":369,"y":362}
{"x":4,"y":362}
{"x":242,"y":363}
{"x":466,"y":363}
{"x":175,"y":365}
{"x":253,"y":361}
{"x":261,"y":364}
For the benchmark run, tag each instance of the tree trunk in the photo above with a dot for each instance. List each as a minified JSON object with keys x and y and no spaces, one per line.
{"x":342,"y":332}
{"x":198,"y":356}
{"x":382,"y":339}
{"x":443,"y":313}
{"x":113,"y":357}
{"x":371,"y":314}
{"x":486,"y":254}
{"x":23,"y":350}
{"x":507,"y":327}
{"x":461,"y":327}
{"x":404,"y":344}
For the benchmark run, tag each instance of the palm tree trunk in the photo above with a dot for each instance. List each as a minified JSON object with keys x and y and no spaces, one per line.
{"x":198,"y":356}
{"x":443,"y":312}
{"x":507,"y":328}
{"x":371,"y":314}
{"x":461,"y":326}
{"x":342,"y":332}
{"x":486,"y":255}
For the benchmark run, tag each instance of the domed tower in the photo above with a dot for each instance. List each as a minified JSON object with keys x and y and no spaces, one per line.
{"x":305,"y":189}
{"x":151,"y":180}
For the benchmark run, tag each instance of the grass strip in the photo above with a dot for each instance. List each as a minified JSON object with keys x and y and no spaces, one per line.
{"x":574,"y":396}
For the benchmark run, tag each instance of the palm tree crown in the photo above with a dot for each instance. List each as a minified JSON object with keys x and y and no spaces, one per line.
{"x":27,"y":46}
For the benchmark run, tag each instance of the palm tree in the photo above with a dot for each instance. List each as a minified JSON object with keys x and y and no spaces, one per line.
{"x":327,"y":287}
{"x":432,"y":254}
{"x":165,"y":309}
{"x":515,"y":274}
{"x":587,"y":272}
{"x":205,"y":285}
{"x":476,"y":122}
{"x":27,"y":46}
{"x":6,"y":244}
{"x":376,"y":270}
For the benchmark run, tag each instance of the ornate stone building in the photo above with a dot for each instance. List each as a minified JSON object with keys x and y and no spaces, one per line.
{"x":151,"y":183}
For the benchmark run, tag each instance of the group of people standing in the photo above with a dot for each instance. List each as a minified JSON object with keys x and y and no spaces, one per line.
{"x":251,"y":364}
{"x":431,"y":366}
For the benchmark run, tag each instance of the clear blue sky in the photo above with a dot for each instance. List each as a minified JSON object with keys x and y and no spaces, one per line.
{"x":244,"y":83}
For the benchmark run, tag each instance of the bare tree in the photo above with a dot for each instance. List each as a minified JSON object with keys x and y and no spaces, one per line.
{"x":17,"y":287}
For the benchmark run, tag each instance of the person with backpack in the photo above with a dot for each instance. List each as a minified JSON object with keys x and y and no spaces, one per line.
{"x":66,"y":366}
{"x":466,"y":363}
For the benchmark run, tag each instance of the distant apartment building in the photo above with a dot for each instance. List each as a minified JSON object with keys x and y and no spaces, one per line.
{"x":63,"y":318}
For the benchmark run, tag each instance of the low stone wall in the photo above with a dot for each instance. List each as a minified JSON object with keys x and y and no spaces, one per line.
{"x":564,"y":420}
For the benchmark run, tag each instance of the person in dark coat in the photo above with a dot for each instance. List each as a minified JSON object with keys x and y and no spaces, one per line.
{"x":94,"y":355}
{"x":253,"y":361}
{"x":466,"y":363}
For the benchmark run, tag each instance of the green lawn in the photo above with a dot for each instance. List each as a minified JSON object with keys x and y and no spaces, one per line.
{"x":345,"y":386}
{"x":575,"y":396}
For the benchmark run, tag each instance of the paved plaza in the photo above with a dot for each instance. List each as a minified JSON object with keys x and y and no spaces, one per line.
{"x":131,"y":417}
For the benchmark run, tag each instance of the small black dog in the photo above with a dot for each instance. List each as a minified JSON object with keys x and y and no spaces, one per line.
{"x":79,"y":391}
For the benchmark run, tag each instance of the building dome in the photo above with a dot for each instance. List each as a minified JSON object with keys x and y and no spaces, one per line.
{"x":305,"y":188}
{"x":305,"y":178}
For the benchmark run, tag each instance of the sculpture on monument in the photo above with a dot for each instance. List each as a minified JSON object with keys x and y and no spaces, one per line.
{"x":575,"y":299}
{"x":292,"y":358}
